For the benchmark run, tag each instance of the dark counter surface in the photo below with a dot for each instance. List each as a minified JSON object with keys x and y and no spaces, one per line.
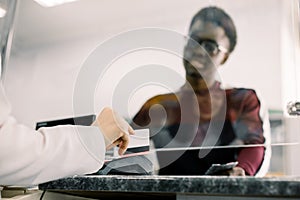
{"x":192,"y":185}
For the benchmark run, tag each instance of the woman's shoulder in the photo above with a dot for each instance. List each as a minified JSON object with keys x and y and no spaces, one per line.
{"x":158,"y":99}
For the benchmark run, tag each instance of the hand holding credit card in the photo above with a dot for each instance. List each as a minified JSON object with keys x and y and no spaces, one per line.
{"x":139,"y":144}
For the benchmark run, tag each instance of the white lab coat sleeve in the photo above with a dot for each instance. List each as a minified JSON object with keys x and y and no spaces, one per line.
{"x":29,"y":157}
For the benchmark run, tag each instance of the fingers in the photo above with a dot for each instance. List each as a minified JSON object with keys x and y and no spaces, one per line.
{"x":115,"y":129}
{"x":115,"y":142}
{"x":122,"y":142}
{"x":237,"y":171}
{"x":123,"y":145}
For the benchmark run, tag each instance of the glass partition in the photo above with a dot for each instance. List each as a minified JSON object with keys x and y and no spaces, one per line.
{"x":52,"y":46}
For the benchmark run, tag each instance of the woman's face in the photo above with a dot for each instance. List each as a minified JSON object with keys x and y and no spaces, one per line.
{"x":205,"y":50}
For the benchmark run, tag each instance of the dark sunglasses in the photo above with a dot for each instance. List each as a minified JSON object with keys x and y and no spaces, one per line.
{"x":211,"y":46}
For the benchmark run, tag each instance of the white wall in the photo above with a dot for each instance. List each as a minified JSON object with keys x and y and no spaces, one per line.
{"x":40,"y":77}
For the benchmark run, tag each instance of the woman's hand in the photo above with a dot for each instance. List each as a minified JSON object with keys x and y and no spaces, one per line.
{"x":114,"y":128}
{"x":237,"y":171}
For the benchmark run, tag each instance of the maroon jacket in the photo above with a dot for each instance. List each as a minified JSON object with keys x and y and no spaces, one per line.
{"x":175,"y":121}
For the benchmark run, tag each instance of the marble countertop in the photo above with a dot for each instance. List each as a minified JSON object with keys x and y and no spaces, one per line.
{"x":203,"y":185}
